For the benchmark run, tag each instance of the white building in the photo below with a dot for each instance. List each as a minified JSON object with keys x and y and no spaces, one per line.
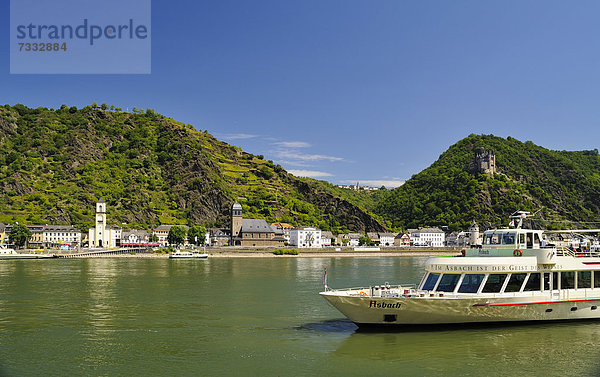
{"x":103,"y":235}
{"x":326,"y":237}
{"x":134,"y":237}
{"x":386,"y":239}
{"x":61,"y":235}
{"x":432,"y":237}
{"x":305,"y":237}
{"x":354,"y":239}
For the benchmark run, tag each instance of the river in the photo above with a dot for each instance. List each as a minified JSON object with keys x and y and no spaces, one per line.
{"x":251,"y":317}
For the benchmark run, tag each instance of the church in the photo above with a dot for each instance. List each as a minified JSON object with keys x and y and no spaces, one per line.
{"x":252,"y":232}
{"x":103,"y":235}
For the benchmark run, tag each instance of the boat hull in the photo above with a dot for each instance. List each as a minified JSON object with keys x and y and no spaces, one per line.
{"x":440,"y":310}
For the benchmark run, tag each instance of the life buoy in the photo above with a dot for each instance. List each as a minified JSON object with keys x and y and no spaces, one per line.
{"x":518,"y":253}
{"x":363,"y":293}
{"x":462,"y":252}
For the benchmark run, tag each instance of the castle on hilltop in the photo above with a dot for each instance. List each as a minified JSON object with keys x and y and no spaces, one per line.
{"x":484,"y":162}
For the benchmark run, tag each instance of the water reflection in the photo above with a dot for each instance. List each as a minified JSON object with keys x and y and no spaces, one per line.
{"x":532,"y":349}
{"x":332,"y":325}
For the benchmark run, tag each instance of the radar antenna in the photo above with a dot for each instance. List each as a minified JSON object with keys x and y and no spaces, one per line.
{"x":520,"y":216}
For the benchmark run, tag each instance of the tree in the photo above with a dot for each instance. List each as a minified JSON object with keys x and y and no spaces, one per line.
{"x":19,"y":235}
{"x":153,"y":238}
{"x":197,"y":235}
{"x":266,"y":172}
{"x":176,"y":235}
{"x":104,"y":106}
{"x":94,"y":105}
{"x":364,"y":241}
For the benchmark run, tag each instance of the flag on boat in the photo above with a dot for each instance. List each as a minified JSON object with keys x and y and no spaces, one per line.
{"x":512,"y":222}
{"x":325,"y":278}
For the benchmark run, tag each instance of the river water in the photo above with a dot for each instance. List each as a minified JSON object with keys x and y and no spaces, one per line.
{"x":251,"y":317}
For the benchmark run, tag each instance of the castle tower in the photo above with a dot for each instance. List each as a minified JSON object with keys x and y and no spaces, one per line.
{"x":236,"y":220}
{"x":474,"y":231}
{"x":484,"y":162}
{"x":100,"y":239}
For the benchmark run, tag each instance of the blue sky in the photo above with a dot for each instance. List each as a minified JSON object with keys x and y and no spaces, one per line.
{"x":351,"y":90}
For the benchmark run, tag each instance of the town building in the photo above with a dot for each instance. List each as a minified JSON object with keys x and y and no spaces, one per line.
{"x":218,"y":237}
{"x":374,"y":237}
{"x":354,"y":239}
{"x":432,"y":237}
{"x":402,"y":240}
{"x":342,"y":239}
{"x":37,"y":235}
{"x":453,"y":239}
{"x":162,"y":233}
{"x":137,"y":238}
{"x":252,"y":232}
{"x":326,"y":238}
{"x":285,"y":228}
{"x":61,"y":236}
{"x":306,"y":237}
{"x":386,"y":239}
{"x":103,"y":235}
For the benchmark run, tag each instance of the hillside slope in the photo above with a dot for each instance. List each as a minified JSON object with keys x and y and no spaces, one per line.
{"x":54,"y":164}
{"x":564,"y":185}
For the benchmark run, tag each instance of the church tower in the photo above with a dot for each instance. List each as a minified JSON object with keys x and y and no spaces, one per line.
{"x":236,"y":220}
{"x":101,"y":236}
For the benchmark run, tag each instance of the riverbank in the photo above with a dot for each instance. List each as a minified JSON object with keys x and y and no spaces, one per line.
{"x":223,"y":253}
{"x":335,"y":254}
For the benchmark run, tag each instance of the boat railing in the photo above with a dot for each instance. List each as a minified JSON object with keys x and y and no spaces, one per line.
{"x":383,"y":290}
{"x":577,"y":253}
{"x":564,"y":252}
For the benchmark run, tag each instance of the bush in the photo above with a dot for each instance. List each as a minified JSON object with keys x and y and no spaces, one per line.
{"x":285,"y":252}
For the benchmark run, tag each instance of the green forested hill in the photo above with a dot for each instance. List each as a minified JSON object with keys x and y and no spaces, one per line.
{"x":54,"y":164}
{"x":565,"y":186}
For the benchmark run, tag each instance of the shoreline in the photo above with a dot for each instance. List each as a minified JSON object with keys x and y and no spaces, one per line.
{"x":269,"y":254}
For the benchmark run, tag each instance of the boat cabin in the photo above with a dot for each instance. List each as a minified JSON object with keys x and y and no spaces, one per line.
{"x":504,"y":242}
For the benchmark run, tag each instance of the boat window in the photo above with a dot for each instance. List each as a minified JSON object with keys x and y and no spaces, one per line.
{"x":546,"y":281}
{"x":536,"y":238}
{"x":448,"y":283}
{"x":430,"y":282}
{"x":471,"y":283}
{"x":494,"y":283}
{"x":515,"y":282}
{"x":584,"y":279}
{"x":533,"y":283}
{"x":567,"y":280}
{"x":492,"y":239}
{"x":555,"y":281}
{"x":596,"y":279}
{"x":522,"y":238}
{"x":508,"y":239}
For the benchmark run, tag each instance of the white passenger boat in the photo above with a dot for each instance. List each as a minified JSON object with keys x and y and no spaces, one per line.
{"x":512,"y":277}
{"x":187,"y":255}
